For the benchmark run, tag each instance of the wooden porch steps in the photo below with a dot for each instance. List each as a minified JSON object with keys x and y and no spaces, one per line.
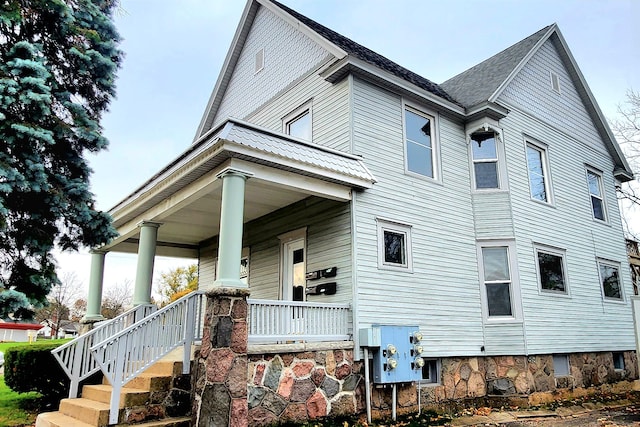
{"x":136,"y":405}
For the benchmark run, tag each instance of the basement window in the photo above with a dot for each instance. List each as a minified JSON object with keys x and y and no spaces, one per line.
{"x":561,"y":365}
{"x":618,"y":361}
{"x":431,"y":371}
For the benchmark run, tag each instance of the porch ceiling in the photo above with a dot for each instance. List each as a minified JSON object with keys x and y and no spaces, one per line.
{"x":186,"y":195}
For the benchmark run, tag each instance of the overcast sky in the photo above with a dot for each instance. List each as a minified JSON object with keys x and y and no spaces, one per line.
{"x":175,"y":49}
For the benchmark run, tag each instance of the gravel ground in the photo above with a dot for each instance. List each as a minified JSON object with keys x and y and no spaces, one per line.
{"x":616,"y":417}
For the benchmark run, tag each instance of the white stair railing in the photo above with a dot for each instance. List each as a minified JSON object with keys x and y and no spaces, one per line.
{"x":75,"y":356}
{"x":129,"y":352}
{"x":277,"y":321}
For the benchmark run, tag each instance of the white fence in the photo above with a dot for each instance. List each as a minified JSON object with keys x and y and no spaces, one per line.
{"x":282,"y":321}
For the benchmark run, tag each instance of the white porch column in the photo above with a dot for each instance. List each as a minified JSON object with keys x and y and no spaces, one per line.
{"x":94,"y":296}
{"x":231,"y":224}
{"x":146,"y":258}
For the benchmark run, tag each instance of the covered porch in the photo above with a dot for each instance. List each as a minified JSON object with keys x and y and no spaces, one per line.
{"x":225,"y":201}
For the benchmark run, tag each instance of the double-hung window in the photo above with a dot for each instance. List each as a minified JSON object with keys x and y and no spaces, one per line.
{"x":537,"y":165}
{"x":499,"y":280}
{"x":610,"y":280}
{"x":420,"y":143}
{"x":551,"y":270}
{"x":594,"y":181}
{"x":484,"y":154}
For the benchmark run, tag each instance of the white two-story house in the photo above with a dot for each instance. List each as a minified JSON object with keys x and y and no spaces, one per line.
{"x":481,"y":210}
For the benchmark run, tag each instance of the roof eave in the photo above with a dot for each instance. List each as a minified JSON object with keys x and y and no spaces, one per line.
{"x":486,"y":109}
{"x":622,"y":168}
{"x":349,"y":64}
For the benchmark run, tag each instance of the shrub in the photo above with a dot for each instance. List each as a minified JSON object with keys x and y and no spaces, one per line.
{"x":33,"y":368}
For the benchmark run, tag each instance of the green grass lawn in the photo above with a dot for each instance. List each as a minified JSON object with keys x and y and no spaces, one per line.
{"x":18,"y":409}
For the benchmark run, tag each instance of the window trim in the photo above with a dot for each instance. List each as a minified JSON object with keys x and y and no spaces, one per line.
{"x":546,"y":170}
{"x":294,"y":115}
{"x":562,"y":253}
{"x":602,"y":197}
{"x":486,"y":125}
{"x":616,"y":265}
{"x":383,"y":225}
{"x":514,"y":288}
{"x":435,"y":141}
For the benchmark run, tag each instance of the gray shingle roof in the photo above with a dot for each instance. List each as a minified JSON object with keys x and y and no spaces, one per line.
{"x":367,"y":55}
{"x":478,"y":83}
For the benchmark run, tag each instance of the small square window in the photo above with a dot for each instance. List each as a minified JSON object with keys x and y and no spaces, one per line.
{"x":431,"y":371}
{"x":551,"y":270}
{"x":618,"y":361}
{"x":561,"y":365}
{"x":610,"y":280}
{"x":394,"y":242}
{"x":299,"y":123}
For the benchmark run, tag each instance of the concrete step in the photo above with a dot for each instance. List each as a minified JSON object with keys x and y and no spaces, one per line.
{"x":128,"y":396}
{"x":165,"y":368}
{"x":166,"y":422}
{"x":58,"y":419}
{"x":86,"y":410}
{"x":150,"y":382}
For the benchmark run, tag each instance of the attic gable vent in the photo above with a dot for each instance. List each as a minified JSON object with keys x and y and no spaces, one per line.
{"x":259,"y":60}
{"x":555,"y":82}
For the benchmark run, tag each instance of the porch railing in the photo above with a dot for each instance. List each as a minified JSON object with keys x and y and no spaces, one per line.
{"x":282,"y":321}
{"x":129,"y":352}
{"x":75,"y":356}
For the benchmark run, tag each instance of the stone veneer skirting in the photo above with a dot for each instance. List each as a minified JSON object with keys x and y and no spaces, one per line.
{"x":240,"y":386}
{"x":301,"y":386}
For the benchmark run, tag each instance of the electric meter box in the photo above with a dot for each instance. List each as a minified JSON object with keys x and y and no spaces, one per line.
{"x":394,"y":354}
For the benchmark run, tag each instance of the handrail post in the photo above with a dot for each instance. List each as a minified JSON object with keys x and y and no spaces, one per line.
{"x":188,"y":335}
{"x":75,"y":370}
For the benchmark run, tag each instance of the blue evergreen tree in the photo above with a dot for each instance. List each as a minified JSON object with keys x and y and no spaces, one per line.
{"x":58,"y":61}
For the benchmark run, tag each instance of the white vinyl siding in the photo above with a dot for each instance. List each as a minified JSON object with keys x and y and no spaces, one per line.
{"x":281,"y":44}
{"x":330,"y":124}
{"x":442,"y":233}
{"x":579,"y":322}
{"x":328,"y":245}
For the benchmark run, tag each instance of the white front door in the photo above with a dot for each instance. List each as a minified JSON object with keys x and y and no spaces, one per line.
{"x":293,"y":270}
